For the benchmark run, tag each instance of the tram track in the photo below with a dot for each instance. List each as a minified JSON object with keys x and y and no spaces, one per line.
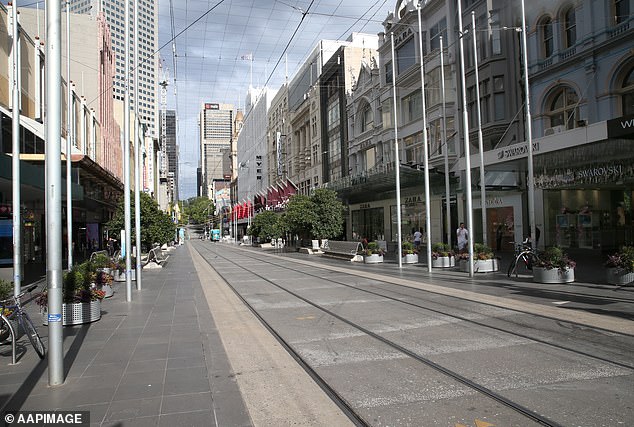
{"x":356,"y":418}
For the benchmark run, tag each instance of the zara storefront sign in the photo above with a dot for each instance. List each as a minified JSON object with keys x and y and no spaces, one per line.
{"x":516,"y":151}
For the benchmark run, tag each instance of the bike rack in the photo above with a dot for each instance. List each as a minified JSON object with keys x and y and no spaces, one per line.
{"x":12,"y":332}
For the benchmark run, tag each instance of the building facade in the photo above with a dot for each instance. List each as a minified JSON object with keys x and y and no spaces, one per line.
{"x":216,"y":122}
{"x":171,"y":154}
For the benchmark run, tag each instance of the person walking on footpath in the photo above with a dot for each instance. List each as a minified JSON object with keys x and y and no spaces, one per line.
{"x":463,"y":237}
{"x":417,"y":237}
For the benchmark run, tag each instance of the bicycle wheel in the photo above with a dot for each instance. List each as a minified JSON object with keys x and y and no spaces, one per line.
{"x":4,"y":330}
{"x":34,"y":337}
{"x":512,"y":267}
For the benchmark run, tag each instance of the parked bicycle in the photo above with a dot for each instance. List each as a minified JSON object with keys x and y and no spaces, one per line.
{"x":525,"y":256}
{"x":11,"y":310}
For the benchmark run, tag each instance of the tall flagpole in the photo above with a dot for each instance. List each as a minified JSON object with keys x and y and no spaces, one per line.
{"x":137,"y":149}
{"x":69,"y":145}
{"x":480,"y":142}
{"x":465,"y":131}
{"x":529,"y":135}
{"x":126,"y":155}
{"x":425,"y":148}
{"x":444,"y":142}
{"x":53,"y":192}
{"x":15,"y":159}
{"x":397,"y":163}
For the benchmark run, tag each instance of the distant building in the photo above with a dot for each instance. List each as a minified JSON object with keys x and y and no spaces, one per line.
{"x":171,"y":153}
{"x":216,"y":133}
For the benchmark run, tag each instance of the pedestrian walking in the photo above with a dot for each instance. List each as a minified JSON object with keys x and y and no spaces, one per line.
{"x":417,"y":236}
{"x":463,"y":237}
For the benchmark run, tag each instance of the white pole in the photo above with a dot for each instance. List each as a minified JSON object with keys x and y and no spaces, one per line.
{"x":480,"y":142}
{"x":126,"y":154}
{"x":425,"y":148}
{"x":467,"y":151}
{"x":397,"y":163}
{"x":444,"y":143}
{"x":69,"y":146}
{"x":137,"y":148}
{"x":15,"y":160}
{"x":529,"y":135}
{"x":53,"y":169}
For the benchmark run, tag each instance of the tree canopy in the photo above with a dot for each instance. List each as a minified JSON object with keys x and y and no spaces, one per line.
{"x":198,"y":209}
{"x":266,"y":225}
{"x":156,"y":226}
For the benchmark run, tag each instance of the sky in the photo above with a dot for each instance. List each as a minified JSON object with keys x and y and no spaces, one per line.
{"x":214,"y":39}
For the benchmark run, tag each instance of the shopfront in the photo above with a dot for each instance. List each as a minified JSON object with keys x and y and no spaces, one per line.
{"x":504,"y":220}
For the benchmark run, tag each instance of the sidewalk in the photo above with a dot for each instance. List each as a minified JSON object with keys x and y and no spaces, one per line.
{"x":155,"y":361}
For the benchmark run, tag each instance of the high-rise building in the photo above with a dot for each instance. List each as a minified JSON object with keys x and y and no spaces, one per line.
{"x":114,"y":11}
{"x":216,"y":133}
{"x":171,"y":154}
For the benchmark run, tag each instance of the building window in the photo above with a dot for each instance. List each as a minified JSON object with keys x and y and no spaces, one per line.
{"x":440,"y":29}
{"x":546,"y":26}
{"x":562,"y":108}
{"x":627,"y":97}
{"x":496,"y":40}
{"x":412,"y":107}
{"x":570,"y":27}
{"x":388,"y":73}
{"x":621,"y":11}
{"x":405,"y":56}
{"x":499,"y":99}
{"x":366,"y":118}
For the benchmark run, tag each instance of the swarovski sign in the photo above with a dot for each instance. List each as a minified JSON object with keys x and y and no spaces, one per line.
{"x":516,"y":151}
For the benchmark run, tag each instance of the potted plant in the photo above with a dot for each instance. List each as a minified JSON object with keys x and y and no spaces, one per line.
{"x":373,"y":254}
{"x":408,"y":253}
{"x":81,"y":299}
{"x":484,"y":260}
{"x":104,"y":282}
{"x":442,"y":256}
{"x":119,"y":272}
{"x":102,"y":262}
{"x":553,"y":266}
{"x":620,"y":267}
{"x":6,"y":291}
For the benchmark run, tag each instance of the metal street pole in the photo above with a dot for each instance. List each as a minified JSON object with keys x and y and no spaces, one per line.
{"x":444,"y":143}
{"x":529,"y":134}
{"x":397,"y":162}
{"x":126,"y":154}
{"x":15,"y":153}
{"x":480,"y":142}
{"x":69,"y":146}
{"x":425,"y":148}
{"x":137,"y":148}
{"x":465,"y":131}
{"x":53,"y":167}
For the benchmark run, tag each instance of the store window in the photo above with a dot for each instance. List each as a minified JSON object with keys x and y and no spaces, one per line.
{"x":570,"y":27}
{"x":412,"y":219}
{"x":546,"y":26}
{"x":627,"y":95}
{"x":368,"y":224}
{"x":562,"y":108}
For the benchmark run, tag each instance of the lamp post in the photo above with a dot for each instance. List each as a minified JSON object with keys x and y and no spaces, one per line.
{"x":480,"y":142}
{"x":397,"y":162}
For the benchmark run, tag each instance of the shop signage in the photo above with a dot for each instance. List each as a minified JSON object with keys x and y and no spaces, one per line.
{"x":212,"y":106}
{"x":623,"y":127}
{"x":516,"y":150}
{"x":412,"y":200}
{"x":598,"y":174}
{"x":364,"y":206}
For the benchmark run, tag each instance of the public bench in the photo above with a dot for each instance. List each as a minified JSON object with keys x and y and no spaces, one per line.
{"x":156,"y":256}
{"x":343,"y":249}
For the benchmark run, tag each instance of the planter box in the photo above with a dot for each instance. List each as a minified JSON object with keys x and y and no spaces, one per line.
{"x":77,"y":313}
{"x":615,"y":276}
{"x":443,"y":262}
{"x":119,"y":276}
{"x":553,"y":275}
{"x":481,"y":265}
{"x":372,"y":259}
{"x":108,"y":290}
{"x":410,"y":259}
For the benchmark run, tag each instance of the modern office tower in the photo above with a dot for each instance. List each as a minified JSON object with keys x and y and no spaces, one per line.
{"x":216,"y":132}
{"x":171,"y":153}
{"x":148,"y":46}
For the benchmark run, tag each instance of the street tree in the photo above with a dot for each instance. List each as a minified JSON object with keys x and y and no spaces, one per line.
{"x":198,"y":210}
{"x":266,"y":225}
{"x":329,"y":214}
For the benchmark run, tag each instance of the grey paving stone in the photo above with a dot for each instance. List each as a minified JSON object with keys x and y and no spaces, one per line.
{"x":133,"y":408}
{"x":186,"y":419}
{"x":187,"y":403}
{"x":187,"y":380}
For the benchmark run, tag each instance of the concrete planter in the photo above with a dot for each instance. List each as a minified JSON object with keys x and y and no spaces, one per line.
{"x":119,"y":276}
{"x":553,"y":275}
{"x":372,"y":259}
{"x":77,"y":313}
{"x":410,"y":259}
{"x":480,"y":265}
{"x":443,"y":262}
{"x":619,"y":277}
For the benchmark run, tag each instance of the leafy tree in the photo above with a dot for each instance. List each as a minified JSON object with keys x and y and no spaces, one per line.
{"x":299,"y":216}
{"x":156,"y":226}
{"x":266,"y":225}
{"x":329,"y":211}
{"x":198,"y":209}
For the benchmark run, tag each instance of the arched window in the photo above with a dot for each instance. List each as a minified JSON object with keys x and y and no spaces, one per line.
{"x":562,"y":108}
{"x":627,"y":94}
{"x":546,"y":26}
{"x":366,"y":117}
{"x":570,"y":27}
